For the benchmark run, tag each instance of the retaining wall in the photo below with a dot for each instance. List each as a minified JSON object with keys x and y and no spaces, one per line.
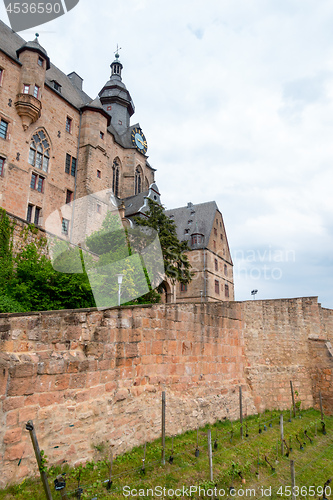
{"x":86,"y":377}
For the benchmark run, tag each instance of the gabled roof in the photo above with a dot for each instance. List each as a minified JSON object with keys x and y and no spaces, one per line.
{"x":196,"y":219}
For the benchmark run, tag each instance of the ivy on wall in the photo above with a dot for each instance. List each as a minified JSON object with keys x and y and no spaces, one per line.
{"x":28,"y":281}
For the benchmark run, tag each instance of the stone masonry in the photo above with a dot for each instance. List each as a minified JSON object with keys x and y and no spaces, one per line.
{"x":86,"y":377}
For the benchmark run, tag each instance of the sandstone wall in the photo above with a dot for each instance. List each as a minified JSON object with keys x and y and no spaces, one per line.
{"x":86,"y":377}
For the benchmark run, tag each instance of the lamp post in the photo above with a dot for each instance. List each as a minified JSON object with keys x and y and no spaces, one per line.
{"x":120,"y":280}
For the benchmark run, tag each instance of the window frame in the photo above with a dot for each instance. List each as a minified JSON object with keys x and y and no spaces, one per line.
{"x":226,"y":290}
{"x":38,"y":91}
{"x":64,"y":226}
{"x":37,"y":216}
{"x":69,"y":124}
{"x":39,"y":152}
{"x":70,"y":165}
{"x":39,"y":182}
{"x":1,"y":75}
{"x":5,"y":137}
{"x":2,"y":165}
{"x":29,"y":212}
{"x":183,"y":287}
{"x":217,"y":287}
{"x":40,"y":62}
{"x":26,"y":89}
{"x":69,"y":196}
{"x":99,"y":174}
{"x":216,"y":264}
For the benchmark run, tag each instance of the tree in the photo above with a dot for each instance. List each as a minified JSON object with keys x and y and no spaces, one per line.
{"x":176,"y":263}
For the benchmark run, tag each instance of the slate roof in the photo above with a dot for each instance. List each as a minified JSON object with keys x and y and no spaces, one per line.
{"x":10,"y":42}
{"x":194,"y":219}
{"x":138,"y":204}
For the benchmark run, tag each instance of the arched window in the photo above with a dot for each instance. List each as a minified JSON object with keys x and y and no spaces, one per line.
{"x":39,"y":154}
{"x":138,"y":181}
{"x":115,"y":177}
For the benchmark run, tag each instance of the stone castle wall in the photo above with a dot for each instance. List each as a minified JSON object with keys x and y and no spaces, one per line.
{"x":86,"y":377}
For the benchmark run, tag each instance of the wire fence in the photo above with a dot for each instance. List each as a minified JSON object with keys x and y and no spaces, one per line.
{"x":275,"y":444}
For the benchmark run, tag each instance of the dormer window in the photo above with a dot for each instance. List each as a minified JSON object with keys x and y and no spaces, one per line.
{"x":56,"y":86}
{"x":197,"y":239}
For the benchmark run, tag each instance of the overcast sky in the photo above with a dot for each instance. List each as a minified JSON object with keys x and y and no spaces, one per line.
{"x":236,"y":101}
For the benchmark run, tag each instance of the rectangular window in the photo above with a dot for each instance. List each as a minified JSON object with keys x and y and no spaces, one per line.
{"x":216,"y":265}
{"x":64,"y":226}
{"x":37,"y":182}
{"x":2,"y":166}
{"x":26,"y":89}
{"x":98,"y":208}
{"x":3,"y":129}
{"x":226,"y":290}
{"x":70,"y":165}
{"x":1,"y":76}
{"x":222,"y":237}
{"x":69,"y":196}
{"x":215,"y":231}
{"x":37,"y":216}
{"x":214,"y":244}
{"x":183,"y":288}
{"x":217,"y":287}
{"x":36,"y":91}
{"x":225,"y":270}
{"x":29,"y":213}
{"x":40,"y":61}
{"x":99,"y":174}
{"x":73,"y":169}
{"x":101,"y":134}
{"x":33,"y":181}
{"x":40,"y":184}
{"x":68,"y":124}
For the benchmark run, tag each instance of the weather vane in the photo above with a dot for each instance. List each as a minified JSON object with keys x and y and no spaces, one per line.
{"x":117,"y":51}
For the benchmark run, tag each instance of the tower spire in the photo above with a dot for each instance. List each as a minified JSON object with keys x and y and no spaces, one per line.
{"x":116,"y":66}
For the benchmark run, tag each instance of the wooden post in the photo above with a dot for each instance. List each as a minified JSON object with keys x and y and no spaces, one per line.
{"x":210,"y":455}
{"x":63,"y":492}
{"x":281,"y":433}
{"x":292,"y":472}
{"x":321,"y":406}
{"x":163,"y":428}
{"x":241,"y":411}
{"x":293,"y":398}
{"x":30,"y":427}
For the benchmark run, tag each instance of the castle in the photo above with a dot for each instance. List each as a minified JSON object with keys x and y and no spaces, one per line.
{"x":57,"y":144}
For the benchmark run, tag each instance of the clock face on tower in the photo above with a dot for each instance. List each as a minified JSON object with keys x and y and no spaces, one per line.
{"x":139,"y":140}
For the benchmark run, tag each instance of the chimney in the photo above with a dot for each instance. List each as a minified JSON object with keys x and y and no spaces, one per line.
{"x":75,"y":79}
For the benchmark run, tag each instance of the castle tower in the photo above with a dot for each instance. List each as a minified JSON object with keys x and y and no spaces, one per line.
{"x":116,"y":99}
{"x":35,"y":62}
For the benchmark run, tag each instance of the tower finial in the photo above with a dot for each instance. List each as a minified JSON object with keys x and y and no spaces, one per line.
{"x":117,"y":52}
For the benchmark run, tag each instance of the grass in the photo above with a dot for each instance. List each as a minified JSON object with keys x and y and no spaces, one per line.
{"x":235,"y":463}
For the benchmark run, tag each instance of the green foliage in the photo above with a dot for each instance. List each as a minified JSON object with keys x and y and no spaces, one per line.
{"x":176,"y":263}
{"x":6,"y":249}
{"x":28,"y":280}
